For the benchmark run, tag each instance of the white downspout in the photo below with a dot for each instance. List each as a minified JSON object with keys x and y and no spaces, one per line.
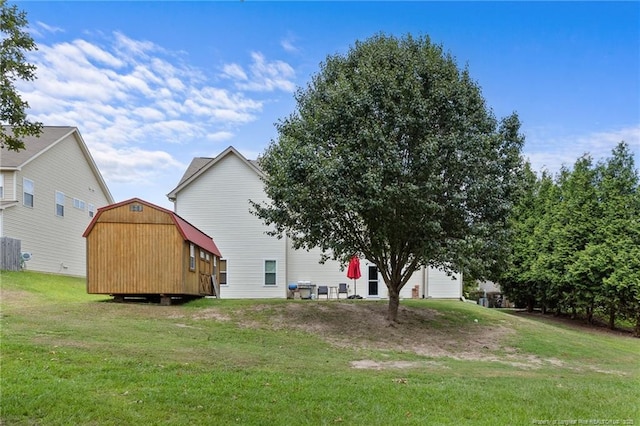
{"x":426,"y":282}
{"x":286,"y":265}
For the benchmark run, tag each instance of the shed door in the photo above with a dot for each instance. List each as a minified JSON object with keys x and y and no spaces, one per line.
{"x":205,"y":267}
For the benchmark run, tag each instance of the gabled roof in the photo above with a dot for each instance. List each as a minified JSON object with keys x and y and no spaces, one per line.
{"x":189,"y":232}
{"x":37,"y":146}
{"x":34,"y":146}
{"x":196,"y":164}
{"x":200,"y":165}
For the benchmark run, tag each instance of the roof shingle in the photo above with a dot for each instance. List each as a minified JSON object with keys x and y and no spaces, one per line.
{"x":33,"y":145}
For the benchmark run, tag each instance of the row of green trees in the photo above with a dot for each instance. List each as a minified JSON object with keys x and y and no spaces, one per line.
{"x":576,"y":242}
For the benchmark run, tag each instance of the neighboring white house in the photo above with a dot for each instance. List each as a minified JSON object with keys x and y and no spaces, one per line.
{"x":48,"y":194}
{"x":214,"y":195}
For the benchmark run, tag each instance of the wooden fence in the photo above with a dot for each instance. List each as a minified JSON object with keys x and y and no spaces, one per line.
{"x":10,"y":254}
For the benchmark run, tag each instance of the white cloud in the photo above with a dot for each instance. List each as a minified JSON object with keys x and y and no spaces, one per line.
{"x":132,"y":165}
{"x":219,"y":136}
{"x":148,"y":114}
{"x":92,"y":51}
{"x":39,"y":25}
{"x":134,"y":102}
{"x":263,"y":76}
{"x":552,"y":153}
{"x":234,"y":71}
{"x":132,"y":47}
{"x":288,"y":43}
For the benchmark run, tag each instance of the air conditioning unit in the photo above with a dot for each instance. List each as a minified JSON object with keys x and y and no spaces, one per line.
{"x":25,"y":256}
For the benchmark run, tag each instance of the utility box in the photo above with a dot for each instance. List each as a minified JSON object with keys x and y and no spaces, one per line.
{"x":415,"y":292}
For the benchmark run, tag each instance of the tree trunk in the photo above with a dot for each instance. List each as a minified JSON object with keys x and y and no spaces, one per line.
{"x":394,"y":302}
{"x":612,"y":317}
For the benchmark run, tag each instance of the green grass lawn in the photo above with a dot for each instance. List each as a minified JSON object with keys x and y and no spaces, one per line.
{"x":68,"y":358}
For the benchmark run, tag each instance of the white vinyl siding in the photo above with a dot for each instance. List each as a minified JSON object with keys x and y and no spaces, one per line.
{"x":217,"y":203}
{"x":442,"y":286}
{"x":1,"y":186}
{"x":28,"y":189}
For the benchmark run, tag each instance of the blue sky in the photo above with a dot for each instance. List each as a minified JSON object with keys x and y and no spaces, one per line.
{"x":150,"y":85}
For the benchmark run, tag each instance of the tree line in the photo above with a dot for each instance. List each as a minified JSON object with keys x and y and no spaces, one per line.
{"x":575,"y":247}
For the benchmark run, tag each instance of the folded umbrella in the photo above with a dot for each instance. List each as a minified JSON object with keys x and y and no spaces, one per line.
{"x":353,"y":272}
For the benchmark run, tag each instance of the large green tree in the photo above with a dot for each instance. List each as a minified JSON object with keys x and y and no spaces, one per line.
{"x":393,"y":154}
{"x":616,"y":259}
{"x":544,"y":242}
{"x":578,"y":212}
{"x":14,"y":66}
{"x":525,"y":279}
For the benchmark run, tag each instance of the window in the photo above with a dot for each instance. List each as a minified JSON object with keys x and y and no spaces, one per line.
{"x":223,"y":272}
{"x":59,"y":204}
{"x":269,"y":272}
{"x":78,"y":204}
{"x":27,"y":195}
{"x":135,"y":207}
{"x":207,"y":257}
{"x":92,"y":210}
{"x":202,"y":254}
{"x":1,"y":186}
{"x":192,"y":257}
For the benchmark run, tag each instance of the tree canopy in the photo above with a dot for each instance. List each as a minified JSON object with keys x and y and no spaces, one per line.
{"x":13,"y":66}
{"x":392,"y":154}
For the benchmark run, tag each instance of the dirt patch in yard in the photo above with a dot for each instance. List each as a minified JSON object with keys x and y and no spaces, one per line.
{"x":368,"y":364}
{"x":212,"y":313}
{"x":422,"y":331}
{"x":11,"y":298}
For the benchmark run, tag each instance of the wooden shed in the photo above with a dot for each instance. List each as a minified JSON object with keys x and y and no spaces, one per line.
{"x":138,"y":249}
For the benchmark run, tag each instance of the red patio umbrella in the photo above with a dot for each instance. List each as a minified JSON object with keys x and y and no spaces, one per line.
{"x":353,"y":272}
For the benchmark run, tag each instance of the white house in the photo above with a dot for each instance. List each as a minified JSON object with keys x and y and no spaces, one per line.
{"x":214,"y":195}
{"x":48,"y":194}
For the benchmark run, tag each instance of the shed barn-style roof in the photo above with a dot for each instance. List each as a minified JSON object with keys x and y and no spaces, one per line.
{"x":189,"y":232}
